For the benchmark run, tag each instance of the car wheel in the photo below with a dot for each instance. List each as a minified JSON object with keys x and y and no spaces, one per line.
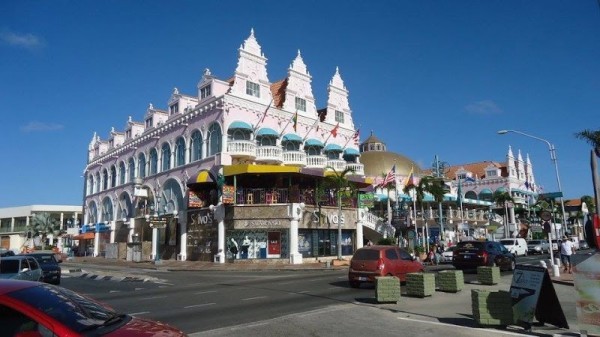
{"x":526,"y":253}
{"x":513,"y":264}
{"x":354,"y":284}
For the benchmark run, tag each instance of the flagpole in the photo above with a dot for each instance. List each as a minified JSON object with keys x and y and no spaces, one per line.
{"x":263,"y":117}
{"x":309,"y":130}
{"x":350,"y":138}
{"x":326,"y":140}
{"x":288,"y":123}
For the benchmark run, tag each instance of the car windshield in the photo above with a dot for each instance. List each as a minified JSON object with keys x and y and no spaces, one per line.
{"x":535,"y":242}
{"x":76,"y":311}
{"x":9,"y":266}
{"x":45,"y":259}
{"x":469,"y":245}
{"x":507,"y":242}
{"x":366,"y":255}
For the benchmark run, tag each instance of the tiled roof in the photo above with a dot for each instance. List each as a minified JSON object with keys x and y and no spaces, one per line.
{"x":478,"y":169}
{"x":278,"y":92}
{"x":573,"y":202}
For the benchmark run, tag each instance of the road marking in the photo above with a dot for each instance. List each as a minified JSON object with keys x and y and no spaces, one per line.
{"x":303,"y":292}
{"x":205,"y":292}
{"x":503,"y":332}
{"x":140,"y":313}
{"x":198,"y":305}
{"x":152,"y":298}
{"x":115,"y":291}
{"x":253,"y":298}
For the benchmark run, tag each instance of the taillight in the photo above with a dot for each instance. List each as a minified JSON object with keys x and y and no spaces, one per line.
{"x":484,"y":256}
{"x":380,"y":264}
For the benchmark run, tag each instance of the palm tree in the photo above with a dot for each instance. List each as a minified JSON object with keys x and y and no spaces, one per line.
{"x":427,"y":184}
{"x":338,"y":181}
{"x":42,"y":224}
{"x":503,"y":198}
{"x":593,"y":138}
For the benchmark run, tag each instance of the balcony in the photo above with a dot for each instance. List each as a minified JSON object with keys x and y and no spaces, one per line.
{"x":337,"y":164}
{"x":242,"y":148}
{"x":294,"y":158}
{"x":271,"y":154}
{"x":316,"y":161}
{"x":359,"y":169}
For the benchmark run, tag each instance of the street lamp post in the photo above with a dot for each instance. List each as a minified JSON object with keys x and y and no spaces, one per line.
{"x":554,"y":160}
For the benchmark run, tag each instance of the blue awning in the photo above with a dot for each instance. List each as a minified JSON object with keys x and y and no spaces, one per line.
{"x":351,"y":152}
{"x":292,"y":137}
{"x":240,"y":125}
{"x":313,"y":142}
{"x":333,"y":147}
{"x":485,"y":191}
{"x":267,"y":132}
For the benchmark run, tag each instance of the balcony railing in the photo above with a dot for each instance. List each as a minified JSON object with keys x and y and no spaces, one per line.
{"x":269,"y":154}
{"x":359,"y":169}
{"x":242,"y":148}
{"x":338,"y":164}
{"x":316,"y":161}
{"x":294,"y":158}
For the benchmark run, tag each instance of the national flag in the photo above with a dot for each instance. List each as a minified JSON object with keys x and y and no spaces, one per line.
{"x":295,"y":120}
{"x":469,"y":179}
{"x":410,"y":179}
{"x":356,"y":136}
{"x":390,"y":177}
{"x":335,"y":130}
{"x":266,"y":111}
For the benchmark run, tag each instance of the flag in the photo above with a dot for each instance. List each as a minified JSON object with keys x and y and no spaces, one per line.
{"x":459,"y":198}
{"x":295,"y":120}
{"x":267,"y":110}
{"x":356,"y":136}
{"x":335,"y":130}
{"x":390,"y":177}
{"x":410,"y":178}
{"x":469,"y":179}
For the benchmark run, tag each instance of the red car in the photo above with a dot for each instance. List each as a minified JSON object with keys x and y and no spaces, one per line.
{"x":372,"y":261}
{"x":34,"y":309}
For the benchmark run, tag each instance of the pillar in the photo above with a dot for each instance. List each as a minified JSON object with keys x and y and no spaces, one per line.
{"x":183,"y":239}
{"x":154,"y":253}
{"x":296,"y":211}
{"x":96,"y":242}
{"x":219,"y":217}
{"x":362,"y":213}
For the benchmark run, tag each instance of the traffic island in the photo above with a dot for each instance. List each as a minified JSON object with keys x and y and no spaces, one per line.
{"x":420,"y":284}
{"x":451,"y":281}
{"x":488,"y":275}
{"x":387,"y":289}
{"x":492,"y":308}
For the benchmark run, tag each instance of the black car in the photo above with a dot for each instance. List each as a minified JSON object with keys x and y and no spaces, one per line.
{"x":472,"y":254}
{"x":49,"y":264}
{"x":6,"y":252}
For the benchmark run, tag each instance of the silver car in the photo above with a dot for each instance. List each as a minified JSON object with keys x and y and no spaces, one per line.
{"x":538,"y":246}
{"x":20,"y":268}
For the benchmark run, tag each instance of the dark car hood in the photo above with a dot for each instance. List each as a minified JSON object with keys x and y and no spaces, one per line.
{"x":142,"y":327}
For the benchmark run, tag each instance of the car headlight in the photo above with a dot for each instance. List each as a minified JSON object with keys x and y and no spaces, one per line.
{"x":538,"y":248}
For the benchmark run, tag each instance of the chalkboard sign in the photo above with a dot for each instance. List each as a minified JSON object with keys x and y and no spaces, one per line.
{"x":533,"y":296}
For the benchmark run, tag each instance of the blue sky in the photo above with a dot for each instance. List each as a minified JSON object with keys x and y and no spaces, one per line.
{"x":428,"y":77}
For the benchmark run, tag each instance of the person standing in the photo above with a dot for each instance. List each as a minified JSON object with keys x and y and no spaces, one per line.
{"x":566,"y":250}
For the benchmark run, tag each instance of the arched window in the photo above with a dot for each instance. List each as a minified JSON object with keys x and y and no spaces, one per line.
{"x":166,"y":157}
{"x":113,"y":176}
{"x":267,"y":141}
{"x":107,"y":210}
{"x":131,"y":169}
{"x":214,"y":139}
{"x":97,"y":183}
{"x":180,"y":152}
{"x":291,"y":146}
{"x":122,"y":173}
{"x":105,"y":180}
{"x":153,"y":162}
{"x":313,"y":150}
{"x":90,"y":185}
{"x":196,"y":146}
{"x":142,"y":166}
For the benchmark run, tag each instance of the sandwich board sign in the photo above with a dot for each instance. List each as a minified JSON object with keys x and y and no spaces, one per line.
{"x":533,"y":296}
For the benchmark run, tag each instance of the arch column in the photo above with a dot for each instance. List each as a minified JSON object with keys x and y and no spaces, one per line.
{"x":296,"y":212}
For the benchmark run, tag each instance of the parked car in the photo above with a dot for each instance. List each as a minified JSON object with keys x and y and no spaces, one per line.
{"x":6,"y":252}
{"x":372,"y":261}
{"x":583,"y":244}
{"x":472,"y":254}
{"x":517,"y":246}
{"x":538,"y":246}
{"x":40,"y":309}
{"x":447,"y":254}
{"x":20,"y":267}
{"x":50,"y":269}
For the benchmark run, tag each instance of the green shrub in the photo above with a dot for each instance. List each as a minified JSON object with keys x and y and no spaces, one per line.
{"x":386,"y":241}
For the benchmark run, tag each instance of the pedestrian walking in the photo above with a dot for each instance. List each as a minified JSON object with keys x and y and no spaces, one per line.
{"x":566,"y":250}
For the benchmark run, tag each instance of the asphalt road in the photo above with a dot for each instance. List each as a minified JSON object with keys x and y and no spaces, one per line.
{"x":302,"y":303}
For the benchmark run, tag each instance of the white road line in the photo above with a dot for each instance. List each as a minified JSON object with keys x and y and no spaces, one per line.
{"x":303,"y":291}
{"x":253,"y":298}
{"x":205,"y":292}
{"x":152,"y":297}
{"x":199,"y":305}
{"x":140,"y":313}
{"x":503,"y":332}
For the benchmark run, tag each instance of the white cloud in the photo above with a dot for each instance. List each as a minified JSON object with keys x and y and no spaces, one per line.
{"x":27,"y":41}
{"x":39,"y":126}
{"x":483,"y":108}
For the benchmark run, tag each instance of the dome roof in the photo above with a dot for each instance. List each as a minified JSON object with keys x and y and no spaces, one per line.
{"x":379,"y":163}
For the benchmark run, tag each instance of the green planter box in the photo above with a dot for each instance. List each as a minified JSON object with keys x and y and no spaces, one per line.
{"x":387,"y":289}
{"x":488,"y":275}
{"x":492,"y":308}
{"x":420,"y":284}
{"x":451,"y":280}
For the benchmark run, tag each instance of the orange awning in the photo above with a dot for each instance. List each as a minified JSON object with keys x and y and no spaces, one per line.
{"x":85,"y":236}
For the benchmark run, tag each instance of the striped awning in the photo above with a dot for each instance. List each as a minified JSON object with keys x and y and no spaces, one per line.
{"x":240,"y":125}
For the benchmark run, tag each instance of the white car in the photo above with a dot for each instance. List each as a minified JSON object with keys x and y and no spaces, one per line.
{"x":517,"y":246}
{"x":447,"y":254}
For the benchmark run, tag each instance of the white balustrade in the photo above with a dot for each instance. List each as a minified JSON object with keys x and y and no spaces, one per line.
{"x":245,"y":148}
{"x":338,"y":164}
{"x":269,"y":153}
{"x":359,"y":169}
{"x":294,"y":158}
{"x":316,"y":161}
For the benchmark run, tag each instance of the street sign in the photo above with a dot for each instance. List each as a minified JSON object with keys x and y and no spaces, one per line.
{"x":552,"y":195}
